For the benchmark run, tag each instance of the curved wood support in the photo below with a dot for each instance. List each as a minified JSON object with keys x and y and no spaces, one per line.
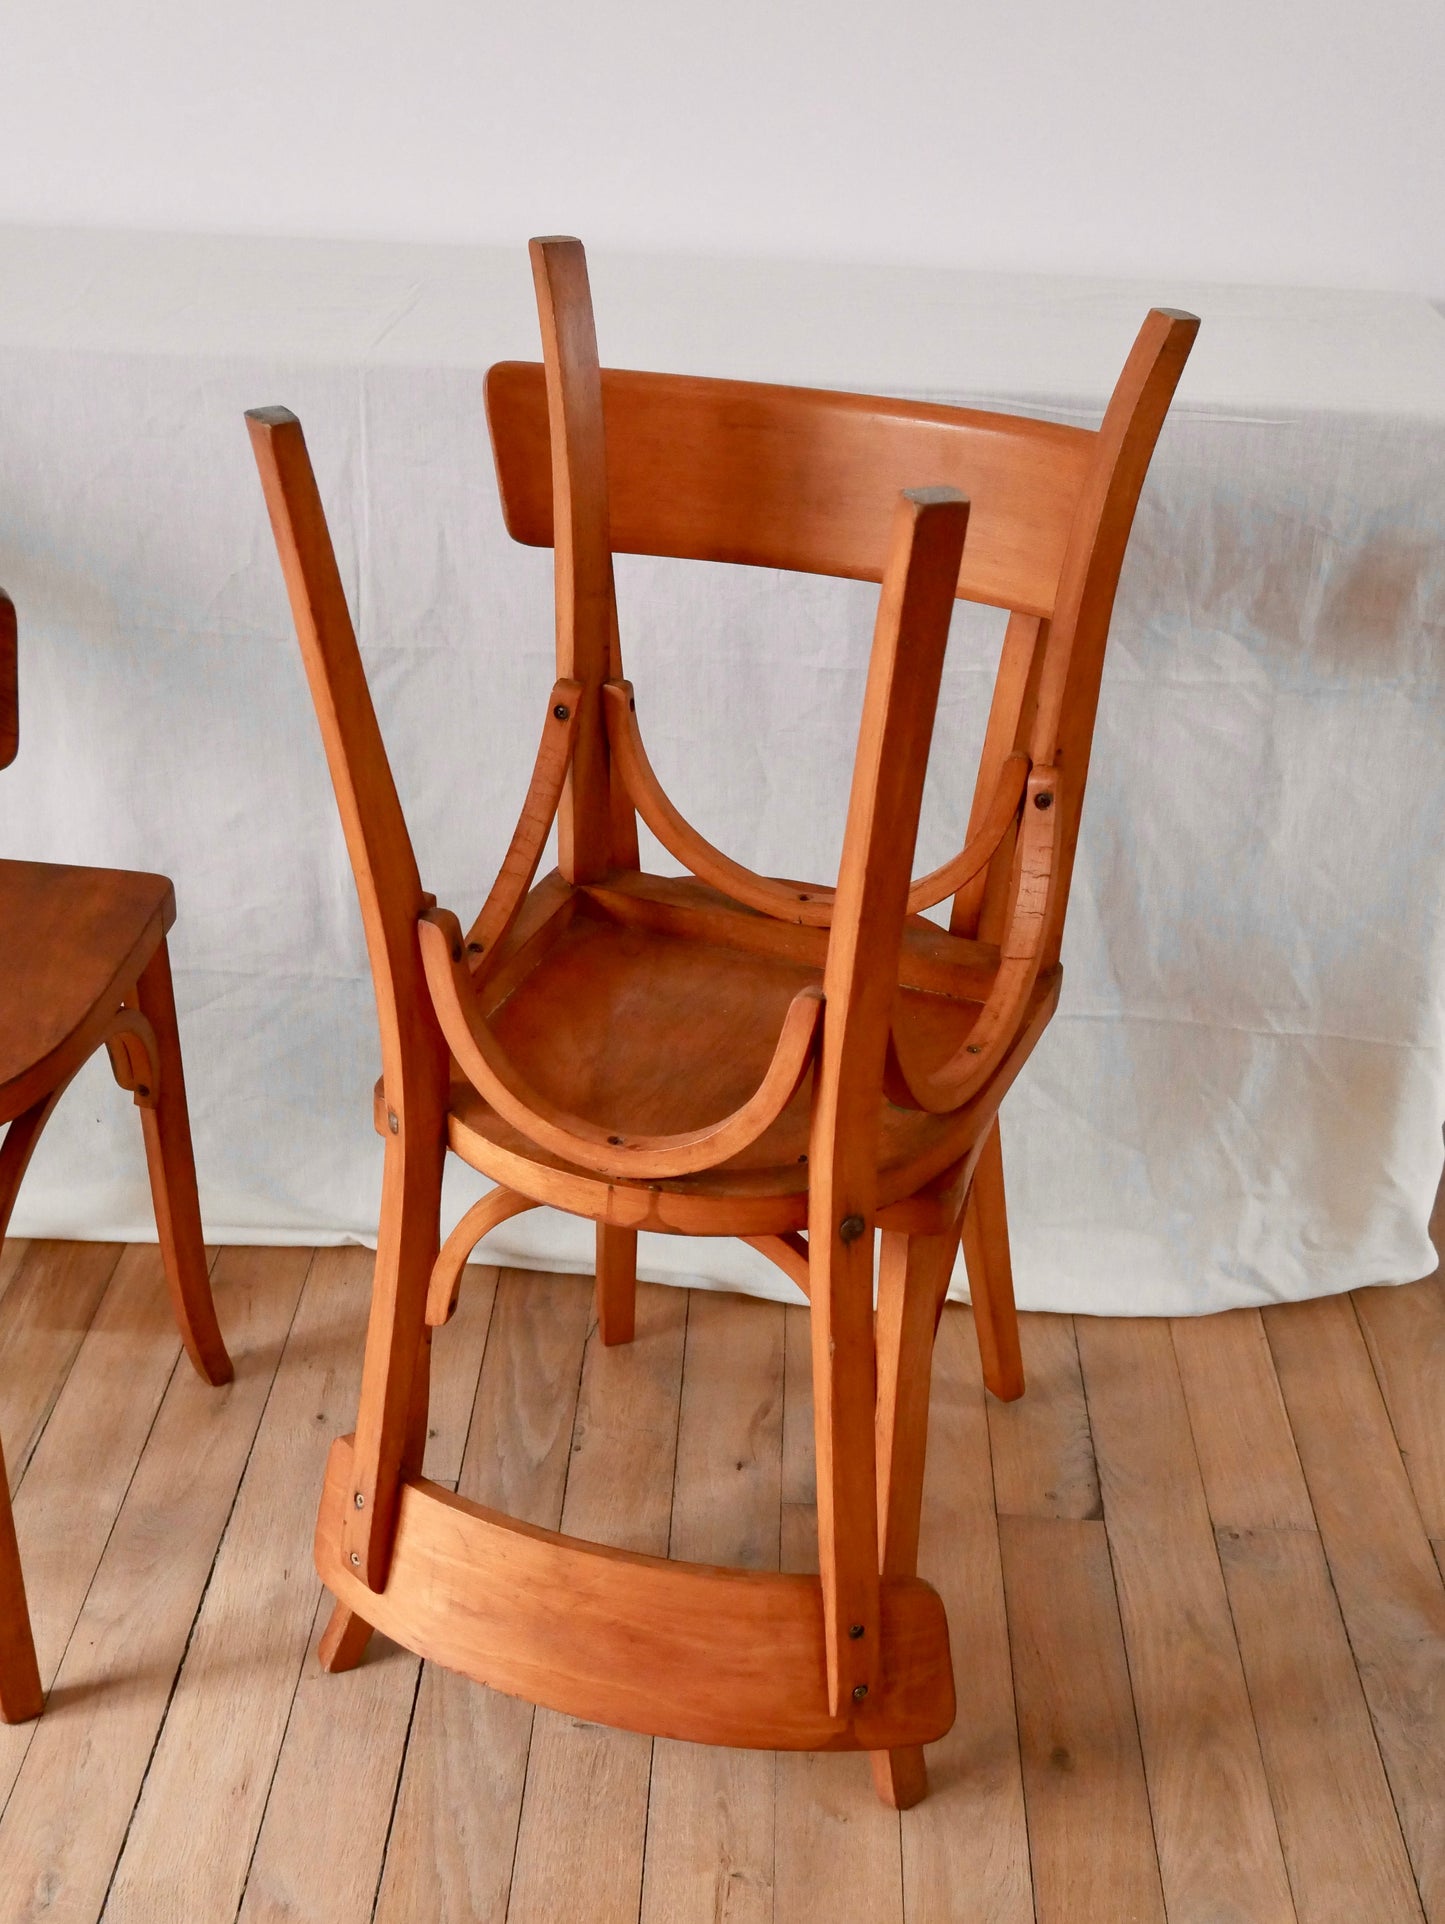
{"x":786,"y":901}
{"x":683,"y":1650}
{"x":482,"y":1059}
{"x":955,"y":1081}
{"x":497,"y":1206}
{"x":789,"y":1251}
{"x":135,"y":1055}
{"x":18,"y":1147}
{"x":534,"y":824}
{"x":977,"y":852}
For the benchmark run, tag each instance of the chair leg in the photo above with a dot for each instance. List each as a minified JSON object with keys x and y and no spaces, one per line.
{"x":20,"y":1692}
{"x":173,"y":1181}
{"x":344,"y":1640}
{"x":616,"y":1284}
{"x":912,"y":1280}
{"x":990,"y":1274}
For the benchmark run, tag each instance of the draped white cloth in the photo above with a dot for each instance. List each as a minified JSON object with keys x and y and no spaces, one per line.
{"x":1242,"y":1095}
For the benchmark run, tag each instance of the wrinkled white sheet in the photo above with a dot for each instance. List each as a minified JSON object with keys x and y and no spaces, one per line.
{"x":1242,"y":1095}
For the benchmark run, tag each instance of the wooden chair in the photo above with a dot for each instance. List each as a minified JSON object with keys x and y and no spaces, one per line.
{"x":83,"y":962}
{"x":801,"y":1066}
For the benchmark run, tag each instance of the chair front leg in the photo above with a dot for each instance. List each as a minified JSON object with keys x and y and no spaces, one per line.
{"x":912,"y":1280}
{"x":990,"y":1273}
{"x":20,"y":1692}
{"x":616,"y":1284}
{"x":167,"y":1128}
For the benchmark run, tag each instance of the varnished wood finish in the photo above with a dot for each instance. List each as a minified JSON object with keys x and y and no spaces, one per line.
{"x":723,"y":1053}
{"x":84,"y":966}
{"x":709,"y":470}
{"x":192,"y":1792}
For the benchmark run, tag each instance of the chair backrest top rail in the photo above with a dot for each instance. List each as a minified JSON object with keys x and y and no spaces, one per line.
{"x":803,"y":479}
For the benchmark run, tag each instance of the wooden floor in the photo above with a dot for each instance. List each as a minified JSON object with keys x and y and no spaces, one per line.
{"x":1192,"y":1580}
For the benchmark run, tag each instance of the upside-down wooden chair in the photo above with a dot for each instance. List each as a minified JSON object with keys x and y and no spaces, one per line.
{"x":805,"y":1067}
{"x":83,"y":964}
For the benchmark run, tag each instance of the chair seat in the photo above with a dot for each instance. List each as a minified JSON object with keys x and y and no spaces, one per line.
{"x":72,"y":941}
{"x":651,"y":1032}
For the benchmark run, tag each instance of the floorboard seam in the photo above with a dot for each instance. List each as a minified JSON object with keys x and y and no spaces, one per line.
{"x":205,"y":1592}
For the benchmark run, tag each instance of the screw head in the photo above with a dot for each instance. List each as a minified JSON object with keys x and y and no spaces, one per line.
{"x":860,"y":1691}
{"x":356,"y":1564}
{"x":393,"y":1122}
{"x":474,"y":948}
{"x":141,"y":1089}
{"x":973,"y":1048}
{"x":359,"y":1500}
{"x":1044,"y":798}
{"x":561,"y":711}
{"x":855,"y":1631}
{"x":850,"y":1229}
{"x":616,"y":1141}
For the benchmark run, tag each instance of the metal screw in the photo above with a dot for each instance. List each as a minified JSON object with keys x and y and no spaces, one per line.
{"x":850,"y":1229}
{"x":141,"y":1089}
{"x":616,"y":1141}
{"x":974,"y":1048}
{"x":860,"y":1691}
{"x":1044,"y":798}
{"x":474,"y":948}
{"x":359,"y":1500}
{"x":855,"y":1631}
{"x":356,"y":1563}
{"x":561,"y":711}
{"x":391,"y":1121}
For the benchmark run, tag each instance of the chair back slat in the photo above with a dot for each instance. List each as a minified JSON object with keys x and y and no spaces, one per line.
{"x":800,"y":478}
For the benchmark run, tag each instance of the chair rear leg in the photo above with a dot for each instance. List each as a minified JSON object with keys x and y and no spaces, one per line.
{"x":172,"y":1167}
{"x":912,"y":1280}
{"x":616,"y":1284}
{"x":990,"y":1274}
{"x":344,"y":1640}
{"x":20,"y":1692}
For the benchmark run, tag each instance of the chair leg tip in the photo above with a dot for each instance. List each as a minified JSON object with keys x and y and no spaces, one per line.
{"x":900,"y":1777}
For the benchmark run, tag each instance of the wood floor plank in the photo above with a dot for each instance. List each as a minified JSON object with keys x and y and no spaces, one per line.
{"x":44,"y":1315}
{"x":1242,"y":1440}
{"x":584,"y":1812}
{"x":965,"y":1848}
{"x":836,"y":1849}
{"x":319,"y":1852}
{"x":1341,"y":1837}
{"x":1405,"y":1330}
{"x":12,"y":1255}
{"x":84,"y":1461}
{"x":710,"y":1811}
{"x":454,"y":1833}
{"x":1385,"y":1575}
{"x":1043,"y":1453}
{"x":251,"y":1635}
{"x":1091,"y":1841}
{"x":66,"y":1819}
{"x":1214,"y":1826}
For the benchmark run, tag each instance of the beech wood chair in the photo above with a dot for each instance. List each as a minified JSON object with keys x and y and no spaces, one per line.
{"x":83,"y":963}
{"x":805,"y":1067}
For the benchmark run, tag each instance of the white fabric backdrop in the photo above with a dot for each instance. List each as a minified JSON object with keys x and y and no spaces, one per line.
{"x":1242,"y":1095}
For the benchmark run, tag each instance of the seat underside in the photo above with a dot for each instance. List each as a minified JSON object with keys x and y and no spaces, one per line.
{"x":650,"y":1029}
